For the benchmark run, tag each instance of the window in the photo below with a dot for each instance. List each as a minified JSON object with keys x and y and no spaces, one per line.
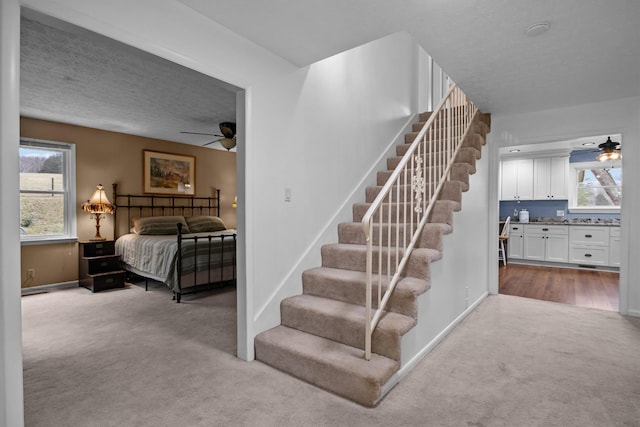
{"x":596,"y":187}
{"x":47,"y":191}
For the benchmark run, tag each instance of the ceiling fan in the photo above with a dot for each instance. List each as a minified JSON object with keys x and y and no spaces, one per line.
{"x":228,"y":137}
{"x":609,"y":150}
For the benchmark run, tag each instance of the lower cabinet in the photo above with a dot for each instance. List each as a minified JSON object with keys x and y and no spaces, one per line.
{"x":589,"y":245}
{"x":546,"y":243}
{"x":516,"y":241}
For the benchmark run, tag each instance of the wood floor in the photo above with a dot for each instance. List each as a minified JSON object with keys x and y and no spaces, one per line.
{"x":584,"y":288}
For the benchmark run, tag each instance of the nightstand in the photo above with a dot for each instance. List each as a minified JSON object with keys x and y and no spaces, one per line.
{"x":100,"y":267}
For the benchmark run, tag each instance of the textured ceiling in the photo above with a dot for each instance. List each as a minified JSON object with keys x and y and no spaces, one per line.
{"x":590,"y":54}
{"x":71,"y":75}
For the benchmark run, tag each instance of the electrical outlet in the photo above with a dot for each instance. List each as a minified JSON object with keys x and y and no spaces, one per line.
{"x":31,"y":273}
{"x":559,"y":213}
{"x":287,"y":194}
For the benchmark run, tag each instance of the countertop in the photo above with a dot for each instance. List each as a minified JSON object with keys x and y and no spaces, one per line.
{"x":575,"y":221}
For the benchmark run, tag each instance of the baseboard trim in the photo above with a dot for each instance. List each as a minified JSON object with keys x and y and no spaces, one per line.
{"x":43,"y":288}
{"x":404,"y":370}
{"x":633,"y":313}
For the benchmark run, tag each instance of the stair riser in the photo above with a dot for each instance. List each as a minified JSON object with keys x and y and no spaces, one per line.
{"x":360,"y":209}
{"x":459,"y":172}
{"x":353,"y":233}
{"x":476,"y":127}
{"x":479,"y":128}
{"x":335,"y":257}
{"x":402,"y":301}
{"x":335,"y":377}
{"x":450,"y":191}
{"x":340,"y":329}
{"x":465,"y":155}
{"x":471,"y":141}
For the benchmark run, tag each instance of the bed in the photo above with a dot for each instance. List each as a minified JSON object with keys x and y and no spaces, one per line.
{"x":177,"y":240}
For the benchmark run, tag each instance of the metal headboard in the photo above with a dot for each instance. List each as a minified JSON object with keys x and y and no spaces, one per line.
{"x":145,"y":205}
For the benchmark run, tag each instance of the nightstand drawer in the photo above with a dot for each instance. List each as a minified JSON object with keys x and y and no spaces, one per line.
{"x":101,"y":282}
{"x":92,"y":249}
{"x":103,"y":264}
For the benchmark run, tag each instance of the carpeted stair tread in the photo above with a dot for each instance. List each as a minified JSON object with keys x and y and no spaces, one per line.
{"x":451,"y":190}
{"x":345,"y":323}
{"x":330,"y":365}
{"x":349,"y":286}
{"x":431,"y":237}
{"x":360,"y":209}
{"x":353,"y":257}
{"x":459,"y":172}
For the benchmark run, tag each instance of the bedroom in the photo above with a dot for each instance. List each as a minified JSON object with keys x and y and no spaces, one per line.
{"x":103,"y":156}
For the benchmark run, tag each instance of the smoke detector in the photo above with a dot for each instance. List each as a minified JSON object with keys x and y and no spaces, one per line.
{"x":537,"y":28}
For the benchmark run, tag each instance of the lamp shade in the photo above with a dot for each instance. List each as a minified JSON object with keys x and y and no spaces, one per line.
{"x":228,"y":143}
{"x":98,"y":203}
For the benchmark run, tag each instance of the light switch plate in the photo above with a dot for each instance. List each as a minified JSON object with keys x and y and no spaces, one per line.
{"x":559,"y":213}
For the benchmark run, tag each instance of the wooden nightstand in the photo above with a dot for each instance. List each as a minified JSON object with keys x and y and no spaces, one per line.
{"x":100,"y":268}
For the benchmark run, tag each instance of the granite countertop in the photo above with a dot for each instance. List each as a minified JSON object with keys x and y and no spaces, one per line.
{"x":572,"y":221}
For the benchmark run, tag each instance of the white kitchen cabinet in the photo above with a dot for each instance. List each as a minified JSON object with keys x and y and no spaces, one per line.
{"x":589,"y":245}
{"x":550,"y":178}
{"x":515,"y":243}
{"x":614,"y":246}
{"x":516,"y":179}
{"x":546,"y":242}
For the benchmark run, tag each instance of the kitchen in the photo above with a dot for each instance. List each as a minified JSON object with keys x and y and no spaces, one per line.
{"x":563,"y":206}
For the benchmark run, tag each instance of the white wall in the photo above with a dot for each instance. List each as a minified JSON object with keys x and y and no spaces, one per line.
{"x":620,"y":116}
{"x":11,"y":395}
{"x":460,"y":279}
{"x":342,"y":114}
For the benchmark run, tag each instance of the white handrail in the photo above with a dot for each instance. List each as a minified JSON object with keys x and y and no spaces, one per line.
{"x":420,"y":174}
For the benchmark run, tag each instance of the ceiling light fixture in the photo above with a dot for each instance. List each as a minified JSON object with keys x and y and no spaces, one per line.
{"x":537,"y":28}
{"x":610,"y":151}
{"x":514,"y":150}
{"x":587,"y":144}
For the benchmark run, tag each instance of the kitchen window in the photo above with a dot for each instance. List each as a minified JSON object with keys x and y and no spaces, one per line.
{"x":47,"y":192}
{"x":596,"y":187}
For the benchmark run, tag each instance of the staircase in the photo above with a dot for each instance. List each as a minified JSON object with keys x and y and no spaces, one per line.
{"x":321,"y":338}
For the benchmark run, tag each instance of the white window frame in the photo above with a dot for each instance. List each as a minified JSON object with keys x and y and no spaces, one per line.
{"x":573,"y":187}
{"x":69,"y":183}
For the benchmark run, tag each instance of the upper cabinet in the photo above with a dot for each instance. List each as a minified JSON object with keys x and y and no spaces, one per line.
{"x":550,"y":176}
{"x":544,"y":178}
{"x":516,"y":179}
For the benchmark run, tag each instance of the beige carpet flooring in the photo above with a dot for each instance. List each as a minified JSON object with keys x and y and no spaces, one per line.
{"x":130,"y":358}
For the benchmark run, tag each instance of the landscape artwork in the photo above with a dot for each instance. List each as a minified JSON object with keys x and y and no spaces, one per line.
{"x":166,"y":173}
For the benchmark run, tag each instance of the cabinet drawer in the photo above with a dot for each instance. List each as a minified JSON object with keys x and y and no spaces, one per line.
{"x":589,"y":255}
{"x":516,"y":229}
{"x":103,"y":264}
{"x":546,"y":229}
{"x":98,"y":248}
{"x":589,"y":235}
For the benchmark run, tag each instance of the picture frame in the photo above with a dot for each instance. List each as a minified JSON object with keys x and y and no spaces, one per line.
{"x":166,"y":173}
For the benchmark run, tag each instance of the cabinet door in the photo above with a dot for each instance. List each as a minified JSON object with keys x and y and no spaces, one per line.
{"x":557,"y":247}
{"x":516,"y":242}
{"x":559,"y":178}
{"x":541,"y":179}
{"x":525,"y":179}
{"x":535,"y":246}
{"x":509,"y":180}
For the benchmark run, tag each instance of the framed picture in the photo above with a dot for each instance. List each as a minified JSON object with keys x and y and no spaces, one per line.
{"x":165,"y":173}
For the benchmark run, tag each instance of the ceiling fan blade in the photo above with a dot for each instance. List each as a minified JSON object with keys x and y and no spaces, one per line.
{"x":210,"y":142}
{"x":200,"y":133}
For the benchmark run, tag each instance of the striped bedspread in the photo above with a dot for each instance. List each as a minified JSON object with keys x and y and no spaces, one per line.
{"x":156,"y":256}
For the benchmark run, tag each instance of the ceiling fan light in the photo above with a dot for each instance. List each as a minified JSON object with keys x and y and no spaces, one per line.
{"x":609,"y":155}
{"x":228,"y":143}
